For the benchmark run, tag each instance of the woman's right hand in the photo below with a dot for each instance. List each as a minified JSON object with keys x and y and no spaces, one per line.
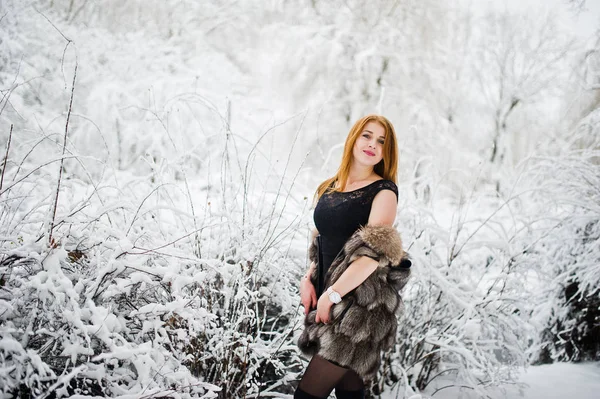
{"x":308,"y":295}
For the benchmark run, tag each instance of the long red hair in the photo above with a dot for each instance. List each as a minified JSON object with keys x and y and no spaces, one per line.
{"x":386,"y":168}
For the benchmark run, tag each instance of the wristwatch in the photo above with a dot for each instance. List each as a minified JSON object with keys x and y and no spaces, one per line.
{"x":334,"y":296}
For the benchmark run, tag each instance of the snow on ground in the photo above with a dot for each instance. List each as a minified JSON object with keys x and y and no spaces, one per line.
{"x":561,"y":380}
{"x":549,"y":381}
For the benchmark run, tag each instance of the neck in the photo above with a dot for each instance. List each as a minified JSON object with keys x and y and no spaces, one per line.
{"x":359,"y":172}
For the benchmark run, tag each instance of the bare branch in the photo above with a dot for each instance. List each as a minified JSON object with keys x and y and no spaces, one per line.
{"x":62,"y":160}
{"x":6,"y":156}
{"x":69,"y":41}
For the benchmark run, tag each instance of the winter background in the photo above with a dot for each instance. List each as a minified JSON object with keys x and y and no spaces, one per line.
{"x":159,"y":160}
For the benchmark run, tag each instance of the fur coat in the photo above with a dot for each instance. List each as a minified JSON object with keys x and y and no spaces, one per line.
{"x":364,"y":323}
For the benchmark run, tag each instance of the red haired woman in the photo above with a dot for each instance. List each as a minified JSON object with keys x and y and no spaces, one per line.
{"x":351,"y":291}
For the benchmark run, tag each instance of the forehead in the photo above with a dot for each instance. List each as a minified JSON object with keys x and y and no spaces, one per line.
{"x":375,"y":128}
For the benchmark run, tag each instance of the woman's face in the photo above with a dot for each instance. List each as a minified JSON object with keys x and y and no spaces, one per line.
{"x":368,"y":147}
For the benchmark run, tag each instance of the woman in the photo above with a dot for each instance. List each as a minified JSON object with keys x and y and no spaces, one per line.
{"x":351,"y":299}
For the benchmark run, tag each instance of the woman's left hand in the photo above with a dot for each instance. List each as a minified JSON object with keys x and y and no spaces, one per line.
{"x":323,"y":309}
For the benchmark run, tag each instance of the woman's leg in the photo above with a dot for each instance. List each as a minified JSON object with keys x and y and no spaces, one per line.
{"x":320,"y":378}
{"x":351,"y":386}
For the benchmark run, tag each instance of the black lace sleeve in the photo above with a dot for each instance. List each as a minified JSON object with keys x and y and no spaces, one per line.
{"x":385,"y":185}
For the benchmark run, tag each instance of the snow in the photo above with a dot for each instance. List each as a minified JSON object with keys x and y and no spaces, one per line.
{"x":561,"y":380}
{"x":551,"y":381}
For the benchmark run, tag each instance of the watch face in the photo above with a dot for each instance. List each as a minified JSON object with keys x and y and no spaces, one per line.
{"x":335,"y":297}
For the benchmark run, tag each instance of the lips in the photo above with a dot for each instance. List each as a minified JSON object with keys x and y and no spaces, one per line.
{"x":369,"y":153}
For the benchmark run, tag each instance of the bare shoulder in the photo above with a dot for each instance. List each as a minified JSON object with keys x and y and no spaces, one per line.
{"x":383,"y":209}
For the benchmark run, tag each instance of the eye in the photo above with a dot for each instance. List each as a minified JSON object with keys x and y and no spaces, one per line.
{"x":381,"y":141}
{"x":366,"y":135}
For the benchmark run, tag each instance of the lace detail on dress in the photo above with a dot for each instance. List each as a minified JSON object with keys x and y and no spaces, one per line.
{"x":362,"y":196}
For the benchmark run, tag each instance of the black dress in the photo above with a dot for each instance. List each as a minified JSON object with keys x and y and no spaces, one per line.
{"x":338,"y":215}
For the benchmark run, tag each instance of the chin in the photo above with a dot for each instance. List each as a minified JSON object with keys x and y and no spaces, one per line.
{"x":372,"y":161}
{"x":370,"y":164}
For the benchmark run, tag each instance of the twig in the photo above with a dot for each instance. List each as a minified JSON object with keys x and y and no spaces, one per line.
{"x":69,"y":41}
{"x":33,"y":147}
{"x":65,"y":380}
{"x":54,"y":26}
{"x":269,"y":231}
{"x":13,"y":86}
{"x":452,"y":386}
{"x":173,"y":241}
{"x":62,"y":160}
{"x":140,"y":206}
{"x":35,"y":170}
{"x":5,"y":14}
{"x":6,"y":156}
{"x":246,"y":178}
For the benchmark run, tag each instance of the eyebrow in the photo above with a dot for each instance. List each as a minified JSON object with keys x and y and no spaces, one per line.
{"x":367,"y":130}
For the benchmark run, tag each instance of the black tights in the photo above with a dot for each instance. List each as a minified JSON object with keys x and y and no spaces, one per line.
{"x":322,"y":376}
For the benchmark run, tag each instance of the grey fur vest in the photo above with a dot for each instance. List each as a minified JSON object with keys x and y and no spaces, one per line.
{"x":364,"y":323}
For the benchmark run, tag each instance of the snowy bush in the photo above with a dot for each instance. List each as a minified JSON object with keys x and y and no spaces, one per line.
{"x":568,"y":255}
{"x":138,"y":296}
{"x":465,"y":318}
{"x":497,"y":290}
